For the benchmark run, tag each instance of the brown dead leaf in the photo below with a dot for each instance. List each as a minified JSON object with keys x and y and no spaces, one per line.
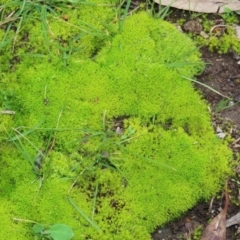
{"x":233,"y":220}
{"x":216,"y":230}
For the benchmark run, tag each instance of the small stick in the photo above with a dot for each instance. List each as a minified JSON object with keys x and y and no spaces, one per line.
{"x":23,"y":220}
{"x":76,"y":180}
{"x":7,"y":112}
{"x":54,"y":138}
{"x":237,"y":140}
{"x":234,"y":77}
{"x":216,"y":26}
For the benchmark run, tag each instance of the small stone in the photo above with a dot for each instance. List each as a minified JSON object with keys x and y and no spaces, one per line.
{"x":193,"y":26}
{"x":119,"y":131}
{"x":231,"y":103}
{"x":204,"y":35}
{"x":237,"y":31}
{"x":221,"y":135}
{"x":219,"y":130}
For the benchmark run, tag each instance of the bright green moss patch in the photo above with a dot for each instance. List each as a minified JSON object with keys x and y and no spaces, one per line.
{"x":132,"y":135}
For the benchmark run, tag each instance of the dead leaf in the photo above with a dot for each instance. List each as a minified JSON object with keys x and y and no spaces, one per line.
{"x":233,"y":220}
{"x":216,"y":230}
{"x":206,"y":6}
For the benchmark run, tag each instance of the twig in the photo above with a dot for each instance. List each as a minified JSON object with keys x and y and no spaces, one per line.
{"x":234,"y":77}
{"x":23,"y":220}
{"x":237,"y":140}
{"x":76,"y":180}
{"x":7,"y":112}
{"x":54,"y":137}
{"x":8,"y":20}
{"x":216,"y":26}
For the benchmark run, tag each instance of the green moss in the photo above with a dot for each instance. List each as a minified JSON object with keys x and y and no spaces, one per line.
{"x":167,"y":159}
{"x":222,"y":43}
{"x":73,"y":30}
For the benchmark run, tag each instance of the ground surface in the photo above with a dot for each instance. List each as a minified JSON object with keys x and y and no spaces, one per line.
{"x":222,"y":73}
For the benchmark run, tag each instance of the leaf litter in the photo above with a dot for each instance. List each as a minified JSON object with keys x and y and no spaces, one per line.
{"x":216,"y":230}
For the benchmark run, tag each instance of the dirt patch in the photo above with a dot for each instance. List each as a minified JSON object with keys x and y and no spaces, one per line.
{"x":222,"y":73}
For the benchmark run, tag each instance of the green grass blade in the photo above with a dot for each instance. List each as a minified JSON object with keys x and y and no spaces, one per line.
{"x":22,"y":7}
{"x":122,"y":20}
{"x":163,"y":12}
{"x":45,"y":27}
{"x":206,"y":86}
{"x":17,"y":32}
{"x":224,"y":104}
{"x":16,"y":137}
{"x":182,"y":64}
{"x":83,"y":214}
{"x":94,"y":201}
{"x":32,"y":144}
{"x":21,"y":148}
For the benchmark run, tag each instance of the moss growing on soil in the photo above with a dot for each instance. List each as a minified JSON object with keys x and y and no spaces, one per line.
{"x":222,"y":43}
{"x":135,"y":136}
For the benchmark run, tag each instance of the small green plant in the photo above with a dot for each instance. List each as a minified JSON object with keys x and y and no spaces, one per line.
{"x":160,"y":12}
{"x":51,"y":232}
{"x":206,"y":22}
{"x":54,"y":232}
{"x":197,"y":233}
{"x":84,"y":215}
{"x":229,"y":16}
{"x":6,"y":100}
{"x":225,"y":104}
{"x":221,"y":44}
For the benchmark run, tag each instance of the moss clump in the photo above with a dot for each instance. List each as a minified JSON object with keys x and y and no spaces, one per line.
{"x":67,"y":29}
{"x":221,"y":44}
{"x":163,"y":160}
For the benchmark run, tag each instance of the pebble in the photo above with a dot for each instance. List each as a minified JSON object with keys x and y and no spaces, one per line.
{"x":237,"y":31}
{"x":193,"y":26}
{"x":221,"y":135}
{"x":231,"y":103}
{"x":204,"y":35}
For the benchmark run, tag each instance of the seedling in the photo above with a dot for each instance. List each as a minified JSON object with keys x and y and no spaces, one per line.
{"x":229,"y":16}
{"x":51,"y":232}
{"x":6,"y":98}
{"x":223,"y":104}
{"x":55,"y":232}
{"x":128,"y":133}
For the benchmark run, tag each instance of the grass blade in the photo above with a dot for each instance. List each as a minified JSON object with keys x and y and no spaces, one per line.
{"x":16,"y":137}
{"x":121,"y":20}
{"x":94,"y":201}
{"x":206,"y":86}
{"x":83,"y":214}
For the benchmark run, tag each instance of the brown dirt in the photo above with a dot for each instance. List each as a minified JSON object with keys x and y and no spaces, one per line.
{"x":222,"y":73}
